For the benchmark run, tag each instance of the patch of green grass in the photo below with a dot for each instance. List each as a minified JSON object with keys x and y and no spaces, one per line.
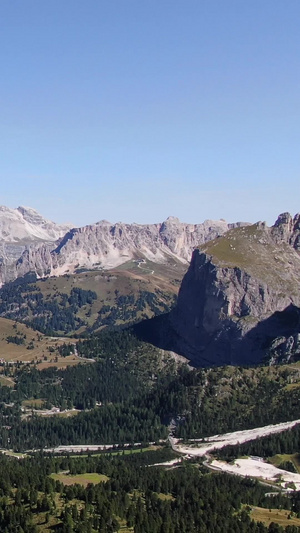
{"x":6,"y":382}
{"x":123,"y":526}
{"x":81,"y":479}
{"x":279,"y":516}
{"x":278,"y":459}
{"x":34,"y":403}
{"x":17,"y":455}
{"x":292,"y":386}
{"x":252,"y":249}
{"x":129,"y":452}
{"x":233,"y":248}
{"x":126,"y":451}
{"x":165,"y":497}
{"x":68,"y":414}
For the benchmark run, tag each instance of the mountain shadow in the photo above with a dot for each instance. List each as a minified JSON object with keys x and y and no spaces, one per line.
{"x":274,"y":339}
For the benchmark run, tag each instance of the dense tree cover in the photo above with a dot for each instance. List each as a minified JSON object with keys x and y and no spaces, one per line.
{"x":108,"y":424}
{"x":121,"y":417}
{"x":115,"y":382}
{"x":207,"y":401}
{"x":147,"y":499}
{"x":140,"y":396}
{"x":79,"y":387}
{"x":203,"y":403}
{"x":109,"y":344}
{"x":289,"y":466}
{"x":23,"y":300}
{"x":129,"y":308}
{"x":115,"y":377}
{"x":16,"y":339}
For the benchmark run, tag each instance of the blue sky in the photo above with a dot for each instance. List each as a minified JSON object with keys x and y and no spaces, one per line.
{"x":135,"y":110}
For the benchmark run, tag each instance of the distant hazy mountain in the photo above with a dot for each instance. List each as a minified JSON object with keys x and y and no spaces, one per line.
{"x":20,"y":228}
{"x":25,"y":225}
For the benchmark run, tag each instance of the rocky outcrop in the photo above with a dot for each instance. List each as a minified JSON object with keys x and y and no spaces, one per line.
{"x":284,"y":349}
{"x":19,"y":229}
{"x":287,"y":229}
{"x":239,"y":295}
{"x":105,"y":245}
{"x":24,"y":225}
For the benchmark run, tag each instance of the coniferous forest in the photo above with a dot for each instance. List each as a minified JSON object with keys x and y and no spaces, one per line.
{"x":133,"y":496}
{"x":149,"y":291}
{"x":127,"y":394}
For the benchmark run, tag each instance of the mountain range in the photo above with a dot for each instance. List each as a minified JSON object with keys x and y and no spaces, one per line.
{"x":238,"y":303}
{"x":31,"y":243}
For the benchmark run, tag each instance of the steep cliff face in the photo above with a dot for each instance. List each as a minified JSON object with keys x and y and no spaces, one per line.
{"x":104,"y":245}
{"x":239,"y":295}
{"x":287,"y":229}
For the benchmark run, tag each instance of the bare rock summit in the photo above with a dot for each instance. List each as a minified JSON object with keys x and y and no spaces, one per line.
{"x":25,"y":225}
{"x":20,"y":228}
{"x":104,"y":246}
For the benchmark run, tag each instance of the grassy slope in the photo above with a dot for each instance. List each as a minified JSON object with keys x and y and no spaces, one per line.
{"x":252,"y":249}
{"x":278,"y":459}
{"x":280,"y":516}
{"x":127,"y":280}
{"x":6,"y":382}
{"x":40,"y":352}
{"x":81,"y":479}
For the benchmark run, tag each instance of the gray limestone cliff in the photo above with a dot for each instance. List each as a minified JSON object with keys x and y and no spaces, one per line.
{"x":105,"y":246}
{"x":287,"y":229}
{"x":240,"y":294}
{"x":19,"y":229}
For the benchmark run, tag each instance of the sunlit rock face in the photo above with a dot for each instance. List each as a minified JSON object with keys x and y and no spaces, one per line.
{"x":19,"y":229}
{"x":105,"y":246}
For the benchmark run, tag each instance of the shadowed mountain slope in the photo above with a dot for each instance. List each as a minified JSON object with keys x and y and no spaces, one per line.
{"x":231,"y":298}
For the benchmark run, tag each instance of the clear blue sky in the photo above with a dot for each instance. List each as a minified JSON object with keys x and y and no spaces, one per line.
{"x":135,"y":110}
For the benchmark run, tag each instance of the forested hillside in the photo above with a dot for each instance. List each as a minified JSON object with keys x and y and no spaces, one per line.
{"x":89,"y":301}
{"x":132,"y":392}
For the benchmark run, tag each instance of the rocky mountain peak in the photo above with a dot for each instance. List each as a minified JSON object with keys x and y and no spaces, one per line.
{"x":104,"y":223}
{"x":172,"y":220}
{"x":287,"y":229}
{"x":20,"y":228}
{"x":25,"y":225}
{"x":284,"y":219}
{"x":104,"y":245}
{"x":30,"y":214}
{"x":239,"y":292}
